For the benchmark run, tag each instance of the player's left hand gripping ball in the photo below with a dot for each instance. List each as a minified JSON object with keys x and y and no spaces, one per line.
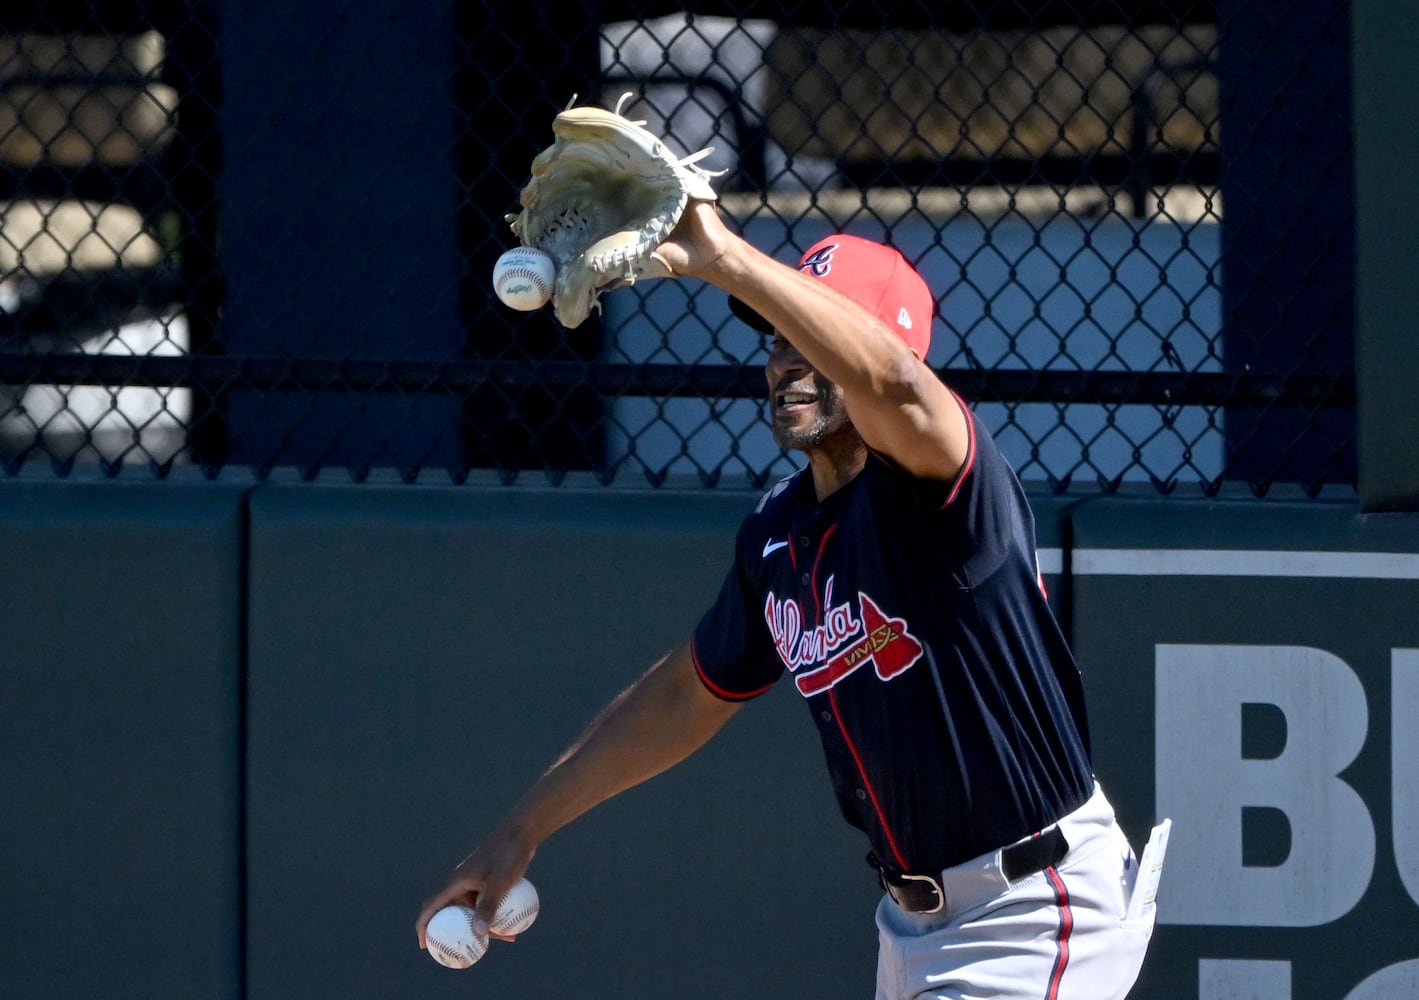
{"x":523,"y":278}
{"x":450,"y":934}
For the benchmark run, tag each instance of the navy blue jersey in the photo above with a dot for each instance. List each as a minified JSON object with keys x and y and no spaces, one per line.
{"x":910,"y":616}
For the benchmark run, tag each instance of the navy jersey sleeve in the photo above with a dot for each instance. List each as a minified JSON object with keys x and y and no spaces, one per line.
{"x":731,"y":646}
{"x":981,"y":517}
{"x":990,"y":509}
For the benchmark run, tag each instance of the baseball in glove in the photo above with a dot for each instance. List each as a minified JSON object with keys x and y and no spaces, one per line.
{"x":602,"y":198}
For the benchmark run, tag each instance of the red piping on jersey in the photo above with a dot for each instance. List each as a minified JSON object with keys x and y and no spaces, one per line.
{"x":817,"y":562}
{"x":1066,"y":925}
{"x":970,"y":450}
{"x":871,"y":792}
{"x":837,"y":717}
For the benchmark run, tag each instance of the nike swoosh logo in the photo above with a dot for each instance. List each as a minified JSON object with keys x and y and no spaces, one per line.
{"x":772,"y":546}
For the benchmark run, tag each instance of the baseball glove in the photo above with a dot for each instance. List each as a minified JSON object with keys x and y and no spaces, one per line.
{"x":602,"y":198}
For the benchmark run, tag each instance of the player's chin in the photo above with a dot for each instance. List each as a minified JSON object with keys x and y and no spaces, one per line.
{"x":796,"y":436}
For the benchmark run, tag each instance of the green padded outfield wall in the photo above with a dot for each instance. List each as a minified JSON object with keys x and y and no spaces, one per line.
{"x":383,"y":669}
{"x":1253,"y":673}
{"x":120,"y":799}
{"x":413,"y":658}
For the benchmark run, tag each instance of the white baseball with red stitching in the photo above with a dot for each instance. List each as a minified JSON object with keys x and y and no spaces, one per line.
{"x":451,"y":939}
{"x":523,"y":278}
{"x":517,"y":910}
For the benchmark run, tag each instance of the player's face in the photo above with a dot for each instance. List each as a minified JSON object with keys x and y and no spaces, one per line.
{"x":805,"y":409}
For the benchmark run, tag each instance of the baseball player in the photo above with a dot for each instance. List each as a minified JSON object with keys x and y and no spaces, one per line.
{"x":893,"y":583}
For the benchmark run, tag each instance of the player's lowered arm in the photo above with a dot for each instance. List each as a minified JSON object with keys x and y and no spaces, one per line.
{"x":651,"y":726}
{"x":654,"y":724}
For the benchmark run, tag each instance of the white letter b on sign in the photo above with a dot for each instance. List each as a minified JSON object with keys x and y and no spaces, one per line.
{"x":1203,"y":783}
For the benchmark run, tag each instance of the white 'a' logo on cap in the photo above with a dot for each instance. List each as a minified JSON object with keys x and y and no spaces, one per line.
{"x":904,"y":318}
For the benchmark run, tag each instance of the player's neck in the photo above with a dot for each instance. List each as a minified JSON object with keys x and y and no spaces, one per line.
{"x":836,"y":462}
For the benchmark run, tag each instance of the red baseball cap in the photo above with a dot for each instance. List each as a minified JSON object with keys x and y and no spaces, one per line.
{"x":871,"y":274}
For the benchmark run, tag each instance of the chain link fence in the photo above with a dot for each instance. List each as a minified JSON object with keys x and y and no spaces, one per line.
{"x":259,"y":236}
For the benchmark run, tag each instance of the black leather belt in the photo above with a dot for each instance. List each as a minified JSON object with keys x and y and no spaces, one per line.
{"x":924,"y":894}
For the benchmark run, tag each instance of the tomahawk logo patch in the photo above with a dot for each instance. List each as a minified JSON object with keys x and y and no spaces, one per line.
{"x":846,"y":640}
{"x":820,"y":262}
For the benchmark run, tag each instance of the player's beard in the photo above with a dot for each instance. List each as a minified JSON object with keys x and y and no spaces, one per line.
{"x":827,"y":417}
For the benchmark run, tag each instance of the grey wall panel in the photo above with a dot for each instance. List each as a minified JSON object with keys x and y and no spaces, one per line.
{"x":119,"y":745}
{"x":1253,"y":671}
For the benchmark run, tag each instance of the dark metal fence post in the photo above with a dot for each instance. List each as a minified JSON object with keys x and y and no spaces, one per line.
{"x":1288,"y":229}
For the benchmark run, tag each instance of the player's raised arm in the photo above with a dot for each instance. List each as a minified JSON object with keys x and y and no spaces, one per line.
{"x":609,"y":202}
{"x":897,"y":403}
{"x":651,"y":726}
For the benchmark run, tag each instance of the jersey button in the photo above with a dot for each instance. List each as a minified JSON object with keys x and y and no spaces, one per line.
{"x":862,"y":793}
{"x":825,"y":715}
{"x":805,"y":579}
{"x":805,"y":542}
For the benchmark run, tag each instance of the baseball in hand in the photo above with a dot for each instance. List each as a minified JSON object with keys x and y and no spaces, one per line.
{"x":451,"y":939}
{"x":517,"y":910}
{"x":523,"y":278}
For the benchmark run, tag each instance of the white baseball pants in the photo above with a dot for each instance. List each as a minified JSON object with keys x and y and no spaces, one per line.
{"x":1059,"y":934}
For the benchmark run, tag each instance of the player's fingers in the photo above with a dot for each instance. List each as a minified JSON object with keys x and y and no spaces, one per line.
{"x":496,"y":902}
{"x":421,"y":924}
{"x":454,"y":892}
{"x":485,"y":911}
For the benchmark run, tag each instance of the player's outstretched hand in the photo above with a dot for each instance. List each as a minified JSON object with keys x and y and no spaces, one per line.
{"x":480,"y":881}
